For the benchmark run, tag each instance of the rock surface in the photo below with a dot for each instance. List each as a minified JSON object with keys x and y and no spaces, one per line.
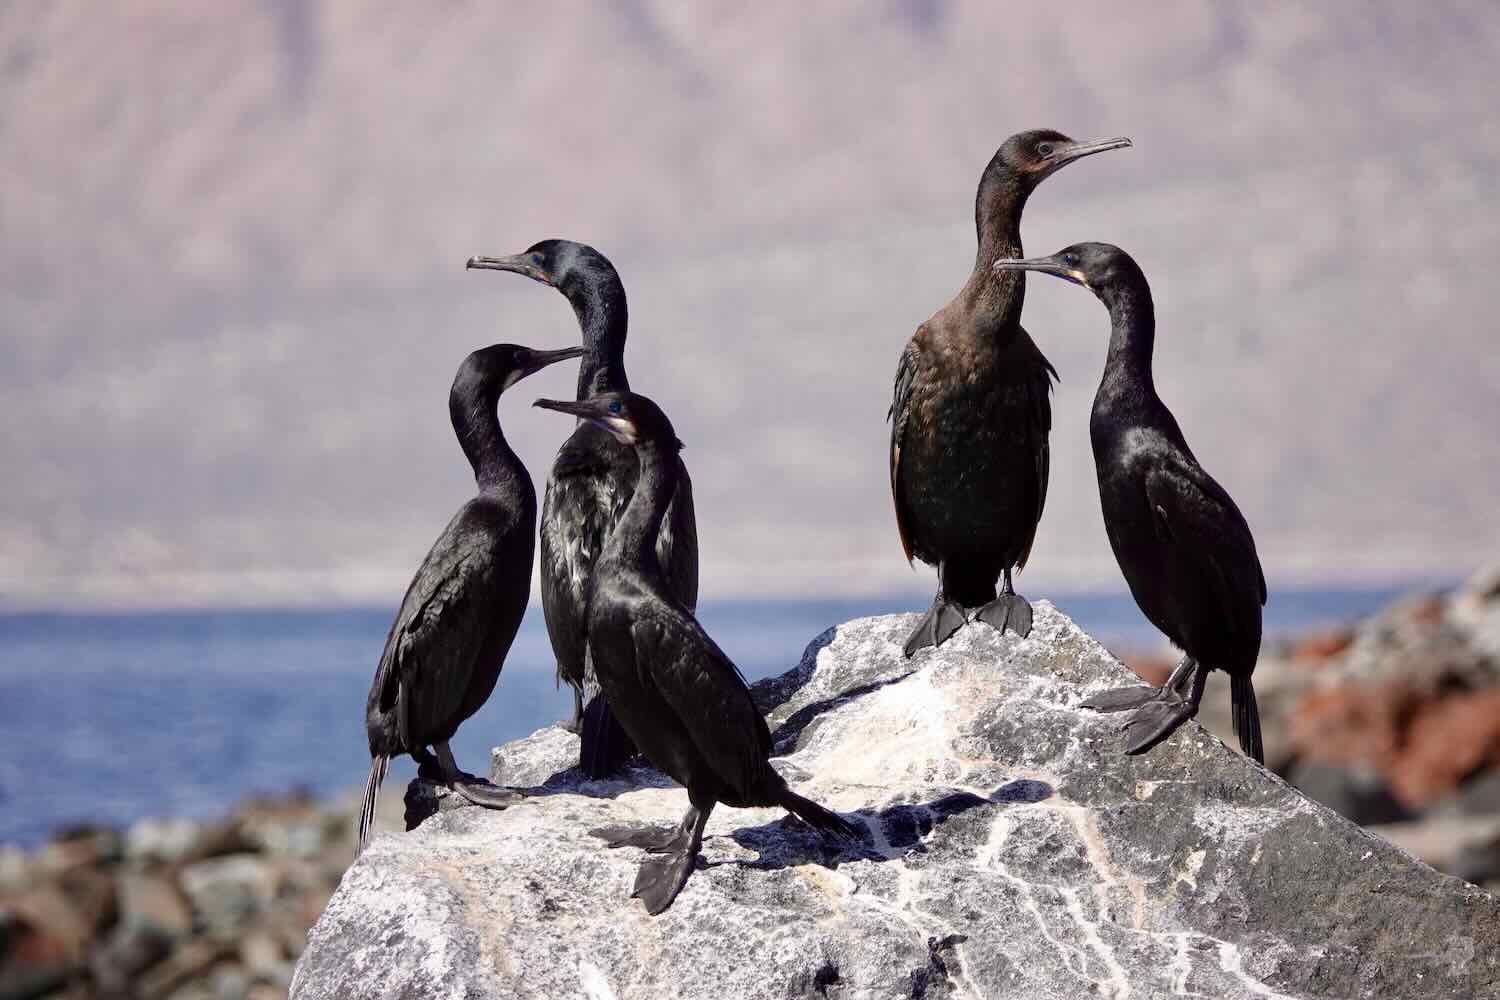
{"x":1011,"y":852}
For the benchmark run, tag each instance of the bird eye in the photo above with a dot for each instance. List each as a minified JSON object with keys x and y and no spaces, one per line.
{"x":614,"y":406}
{"x":1044,"y":149}
{"x":1070,"y":259}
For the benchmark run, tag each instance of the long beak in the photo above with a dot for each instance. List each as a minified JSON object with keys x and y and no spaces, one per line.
{"x":518,"y":263}
{"x":1079,"y":150}
{"x":1047,"y":265}
{"x":584,"y":409}
{"x":541,"y":359}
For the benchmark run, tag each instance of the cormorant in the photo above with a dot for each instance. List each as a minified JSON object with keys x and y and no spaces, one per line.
{"x":445,"y":649}
{"x":1182,"y":544}
{"x":682,"y":701}
{"x":592,"y":480}
{"x":971,"y":412}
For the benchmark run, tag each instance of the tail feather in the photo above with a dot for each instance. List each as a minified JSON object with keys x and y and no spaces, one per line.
{"x":604,"y":746}
{"x":378,"y":767}
{"x":1246,"y":717}
{"x":816,"y":816}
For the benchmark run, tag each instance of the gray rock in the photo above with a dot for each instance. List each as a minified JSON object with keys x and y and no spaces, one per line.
{"x":226,"y":892}
{"x":1012,"y":852}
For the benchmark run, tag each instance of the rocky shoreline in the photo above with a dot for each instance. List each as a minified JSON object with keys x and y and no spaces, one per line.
{"x":1393,"y":722}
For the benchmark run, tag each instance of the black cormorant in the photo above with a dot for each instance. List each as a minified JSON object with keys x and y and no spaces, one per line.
{"x":591,"y":482}
{"x":446,"y":647}
{"x":1182,"y":544}
{"x":971,"y":413}
{"x":681,"y":700}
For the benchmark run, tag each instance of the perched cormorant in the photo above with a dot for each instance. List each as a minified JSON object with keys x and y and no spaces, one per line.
{"x":446,"y":647}
{"x":971,"y":412}
{"x":682,"y":701}
{"x":592,"y":480}
{"x":1182,"y":544}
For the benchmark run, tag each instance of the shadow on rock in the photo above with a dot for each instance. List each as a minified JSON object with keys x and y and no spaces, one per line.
{"x":770,"y":693}
{"x":889,"y":834}
{"x":785,"y":736}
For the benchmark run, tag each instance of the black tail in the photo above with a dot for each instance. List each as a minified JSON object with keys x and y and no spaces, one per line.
{"x":1246,"y":717}
{"x":378,"y":767}
{"x":816,"y":816}
{"x":604,"y":746}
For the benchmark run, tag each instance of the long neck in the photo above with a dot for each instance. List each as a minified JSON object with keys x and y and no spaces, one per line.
{"x":1132,"y":318}
{"x":994,"y":300}
{"x":497,"y":469}
{"x":634,"y":538}
{"x":603,"y":319}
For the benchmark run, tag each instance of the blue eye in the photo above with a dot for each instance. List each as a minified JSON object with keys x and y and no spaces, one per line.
{"x":614,"y":406}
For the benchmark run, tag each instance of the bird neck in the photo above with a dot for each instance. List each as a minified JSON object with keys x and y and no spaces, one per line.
{"x":633,"y":541}
{"x":496,"y":467}
{"x":995,"y":300}
{"x":603,"y":318}
{"x":1132,"y":335}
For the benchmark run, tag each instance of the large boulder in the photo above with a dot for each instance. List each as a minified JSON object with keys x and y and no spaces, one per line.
{"x":1011,"y":851}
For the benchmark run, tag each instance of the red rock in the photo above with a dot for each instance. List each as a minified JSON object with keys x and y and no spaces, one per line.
{"x":1447,"y":741}
{"x":1317,"y":647}
{"x":1150,"y":668}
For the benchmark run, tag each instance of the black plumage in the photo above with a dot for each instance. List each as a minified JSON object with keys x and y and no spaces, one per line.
{"x":971,"y":412}
{"x":1181,"y":542}
{"x":681,"y":700}
{"x":445,"y":649}
{"x":591,"y":482}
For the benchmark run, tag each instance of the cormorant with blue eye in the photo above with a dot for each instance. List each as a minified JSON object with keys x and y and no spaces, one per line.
{"x":682,"y":701}
{"x":445,"y":649}
{"x":971,"y":412}
{"x":592,"y":480}
{"x":1182,"y":544}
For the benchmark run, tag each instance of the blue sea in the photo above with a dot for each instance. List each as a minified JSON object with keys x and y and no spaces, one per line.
{"x":109,"y":718}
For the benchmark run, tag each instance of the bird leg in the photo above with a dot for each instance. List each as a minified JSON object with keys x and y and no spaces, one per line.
{"x":662,"y":875}
{"x":1119,"y":699}
{"x":942,"y":620}
{"x":575,"y":724}
{"x":1160,"y":717}
{"x":1008,"y":611}
{"x":428,"y":767}
{"x":474,"y":789}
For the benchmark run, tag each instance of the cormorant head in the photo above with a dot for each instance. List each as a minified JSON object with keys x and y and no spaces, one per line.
{"x":491,"y":370}
{"x":1102,"y":268}
{"x":631,"y":418}
{"x":1033,"y":156}
{"x":565,"y":265}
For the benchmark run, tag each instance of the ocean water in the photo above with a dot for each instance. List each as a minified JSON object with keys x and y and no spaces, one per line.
{"x":108,"y":718}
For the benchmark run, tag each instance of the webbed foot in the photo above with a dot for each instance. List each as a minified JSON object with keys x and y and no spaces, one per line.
{"x":1008,"y":611}
{"x":1120,"y":699}
{"x":655,"y":839}
{"x":1155,"y":721}
{"x":661,"y":878}
{"x":941,"y":621}
{"x":482,"y":793}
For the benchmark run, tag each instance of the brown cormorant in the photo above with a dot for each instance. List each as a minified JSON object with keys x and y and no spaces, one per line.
{"x":682,"y":701}
{"x":446,"y":647}
{"x":971,"y":413}
{"x":592,"y":480}
{"x":1182,"y":544}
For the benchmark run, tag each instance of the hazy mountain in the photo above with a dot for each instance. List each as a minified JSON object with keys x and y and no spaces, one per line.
{"x":232,"y":293}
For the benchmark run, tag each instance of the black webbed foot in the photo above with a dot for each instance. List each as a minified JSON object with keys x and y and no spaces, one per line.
{"x":482,"y":793}
{"x":941,"y":621}
{"x":1120,"y":699}
{"x":1155,"y":721}
{"x":661,"y":878}
{"x":1008,"y":611}
{"x":655,"y":839}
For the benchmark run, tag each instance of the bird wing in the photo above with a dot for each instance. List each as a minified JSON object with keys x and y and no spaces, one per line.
{"x":708,"y":694}
{"x":1200,"y":521}
{"x":440,"y":632}
{"x":900,"y":412}
{"x":677,"y":543}
{"x":1039,"y":416}
{"x":578,"y":510}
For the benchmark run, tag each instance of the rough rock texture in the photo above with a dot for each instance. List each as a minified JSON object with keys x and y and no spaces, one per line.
{"x":1011,"y":852}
